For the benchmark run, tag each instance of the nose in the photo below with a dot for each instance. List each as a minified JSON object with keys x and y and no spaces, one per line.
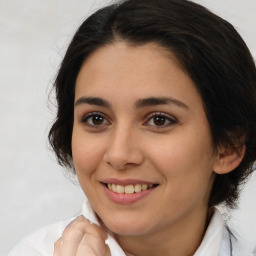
{"x":123,"y":149}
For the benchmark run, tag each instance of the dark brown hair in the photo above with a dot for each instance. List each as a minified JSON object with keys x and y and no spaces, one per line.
{"x":209,"y":49}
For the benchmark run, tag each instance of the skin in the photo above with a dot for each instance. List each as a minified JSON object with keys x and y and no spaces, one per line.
{"x":128,"y":143}
{"x":82,"y":238}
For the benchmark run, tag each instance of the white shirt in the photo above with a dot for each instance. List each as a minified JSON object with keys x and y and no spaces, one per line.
{"x":216,"y":242}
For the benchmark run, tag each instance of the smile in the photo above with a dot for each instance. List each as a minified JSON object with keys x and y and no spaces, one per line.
{"x":128,"y":189}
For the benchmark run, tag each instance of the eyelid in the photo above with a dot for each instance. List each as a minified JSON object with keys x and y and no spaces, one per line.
{"x":159,"y":113}
{"x":91,"y":114}
{"x":172,"y":119}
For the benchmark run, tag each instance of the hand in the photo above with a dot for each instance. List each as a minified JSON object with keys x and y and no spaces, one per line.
{"x":80,"y":238}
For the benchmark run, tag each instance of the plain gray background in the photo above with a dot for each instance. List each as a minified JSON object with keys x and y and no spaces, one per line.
{"x":34,"y":190}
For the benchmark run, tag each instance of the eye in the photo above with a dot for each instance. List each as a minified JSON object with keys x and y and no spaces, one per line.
{"x":95,"y":120}
{"x":160,"y":120}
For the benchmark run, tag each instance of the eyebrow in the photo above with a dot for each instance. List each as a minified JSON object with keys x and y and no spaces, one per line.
{"x":93,"y":101}
{"x":152,"y":101}
{"x":140,"y":103}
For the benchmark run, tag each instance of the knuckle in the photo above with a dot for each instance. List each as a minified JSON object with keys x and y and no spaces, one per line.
{"x":59,"y":242}
{"x":57,"y":246}
{"x":77,"y":223}
{"x":80,"y":218}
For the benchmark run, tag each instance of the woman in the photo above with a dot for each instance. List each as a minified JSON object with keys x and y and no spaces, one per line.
{"x":157,"y":117}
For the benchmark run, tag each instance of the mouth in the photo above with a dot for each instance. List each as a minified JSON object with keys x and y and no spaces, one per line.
{"x":130,"y":188}
{"x":128,"y":191}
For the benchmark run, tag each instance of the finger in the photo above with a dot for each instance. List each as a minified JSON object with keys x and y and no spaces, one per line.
{"x":93,"y":245}
{"x":57,"y":247}
{"x":73,"y":234}
{"x":67,"y":247}
{"x":85,"y":226}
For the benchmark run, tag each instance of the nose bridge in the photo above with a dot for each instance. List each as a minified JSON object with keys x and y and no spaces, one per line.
{"x":122,"y":147}
{"x":121,"y":137}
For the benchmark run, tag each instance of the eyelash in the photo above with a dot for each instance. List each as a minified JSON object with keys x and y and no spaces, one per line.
{"x":167,"y":118}
{"x":85,"y":118}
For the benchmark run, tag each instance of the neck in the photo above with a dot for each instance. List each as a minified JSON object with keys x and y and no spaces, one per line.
{"x":179,"y":239}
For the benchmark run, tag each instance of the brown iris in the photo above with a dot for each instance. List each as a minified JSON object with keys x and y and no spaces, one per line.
{"x":97,"y":120}
{"x":159,"y":120}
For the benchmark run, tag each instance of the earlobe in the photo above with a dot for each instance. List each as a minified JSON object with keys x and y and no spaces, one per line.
{"x":228,"y":160}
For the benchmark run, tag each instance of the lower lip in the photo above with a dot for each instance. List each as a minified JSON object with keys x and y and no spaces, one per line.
{"x":126,"y":198}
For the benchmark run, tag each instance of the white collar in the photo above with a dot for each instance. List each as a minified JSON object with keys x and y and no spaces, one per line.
{"x":212,"y":244}
{"x":216,"y":240}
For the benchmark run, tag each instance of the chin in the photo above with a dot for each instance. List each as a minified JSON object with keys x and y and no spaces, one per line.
{"x":127,"y":227}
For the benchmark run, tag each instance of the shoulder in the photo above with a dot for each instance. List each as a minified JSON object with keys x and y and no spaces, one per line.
{"x":41,"y":242}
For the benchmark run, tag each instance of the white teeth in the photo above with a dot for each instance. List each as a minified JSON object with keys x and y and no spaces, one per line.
{"x":120,"y":189}
{"x":114,"y":187}
{"x":137,"y":187}
{"x":129,"y":189}
{"x":144,"y":187}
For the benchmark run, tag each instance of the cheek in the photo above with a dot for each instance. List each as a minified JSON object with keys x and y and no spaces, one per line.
{"x":185,"y":162}
{"x":187,"y":177}
{"x":87,"y":154}
{"x":181,"y":152}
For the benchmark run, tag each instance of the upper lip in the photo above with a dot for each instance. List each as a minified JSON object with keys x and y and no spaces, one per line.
{"x":125,"y":182}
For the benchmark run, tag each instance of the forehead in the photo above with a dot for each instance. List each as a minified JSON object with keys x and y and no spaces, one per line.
{"x":143,"y":71}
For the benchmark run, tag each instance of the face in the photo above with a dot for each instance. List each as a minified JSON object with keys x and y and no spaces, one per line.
{"x":141,"y":141}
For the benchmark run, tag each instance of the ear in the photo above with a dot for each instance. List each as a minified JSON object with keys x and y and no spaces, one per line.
{"x":228,"y":159}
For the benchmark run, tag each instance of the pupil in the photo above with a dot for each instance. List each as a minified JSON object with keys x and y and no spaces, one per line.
{"x":158,"y":120}
{"x":97,"y":120}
